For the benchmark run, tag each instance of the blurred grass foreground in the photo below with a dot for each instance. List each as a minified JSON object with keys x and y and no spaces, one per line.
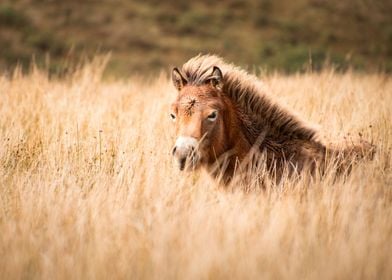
{"x":149,"y":35}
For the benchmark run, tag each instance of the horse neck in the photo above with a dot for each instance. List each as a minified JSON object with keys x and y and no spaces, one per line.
{"x":272,"y":123}
{"x":236,"y":140}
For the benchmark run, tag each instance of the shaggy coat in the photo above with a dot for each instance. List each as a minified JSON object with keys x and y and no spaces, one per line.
{"x":252,"y":124}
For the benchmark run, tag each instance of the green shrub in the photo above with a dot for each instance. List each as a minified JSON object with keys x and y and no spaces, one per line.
{"x":46,"y":42}
{"x":194,"y":22}
{"x":13,"y":18}
{"x":302,"y":57}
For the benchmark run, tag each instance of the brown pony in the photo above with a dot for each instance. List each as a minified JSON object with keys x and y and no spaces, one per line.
{"x":222,"y":115}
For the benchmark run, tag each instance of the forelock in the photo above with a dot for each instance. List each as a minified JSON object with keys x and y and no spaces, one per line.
{"x":199,"y":68}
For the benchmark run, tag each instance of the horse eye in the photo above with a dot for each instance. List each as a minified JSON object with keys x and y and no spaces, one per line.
{"x":173,"y":117}
{"x":213,"y":116}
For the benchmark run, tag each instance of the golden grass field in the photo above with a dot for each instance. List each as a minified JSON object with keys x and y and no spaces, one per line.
{"x":89,"y":191}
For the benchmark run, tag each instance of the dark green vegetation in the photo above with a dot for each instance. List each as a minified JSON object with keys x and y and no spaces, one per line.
{"x":149,"y":35}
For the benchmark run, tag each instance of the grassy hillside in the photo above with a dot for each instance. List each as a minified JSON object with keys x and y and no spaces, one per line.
{"x":88,"y":188}
{"x":149,"y":35}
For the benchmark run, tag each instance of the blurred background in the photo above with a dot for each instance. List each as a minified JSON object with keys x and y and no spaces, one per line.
{"x":146,"y":36}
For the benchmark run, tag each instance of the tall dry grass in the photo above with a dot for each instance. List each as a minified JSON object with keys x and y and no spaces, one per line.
{"x":88,"y":189}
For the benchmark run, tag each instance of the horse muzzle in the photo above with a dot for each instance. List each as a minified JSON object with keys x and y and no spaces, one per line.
{"x":186,"y":153}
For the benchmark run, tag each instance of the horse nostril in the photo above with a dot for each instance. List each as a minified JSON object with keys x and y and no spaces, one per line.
{"x":174,"y":150}
{"x":182,"y":163}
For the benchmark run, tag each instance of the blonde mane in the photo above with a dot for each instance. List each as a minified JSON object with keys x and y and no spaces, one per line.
{"x":263,"y":115}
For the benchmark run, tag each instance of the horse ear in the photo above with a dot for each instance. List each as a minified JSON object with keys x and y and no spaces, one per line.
{"x":216,"y":78}
{"x":178,"y":80}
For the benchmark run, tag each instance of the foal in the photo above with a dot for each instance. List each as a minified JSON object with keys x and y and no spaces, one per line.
{"x":222,"y":115}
